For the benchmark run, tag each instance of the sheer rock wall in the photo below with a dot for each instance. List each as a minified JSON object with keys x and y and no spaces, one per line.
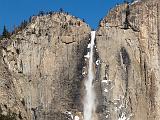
{"x":45,"y":63}
{"x":129,"y":71}
{"x":42,"y":67}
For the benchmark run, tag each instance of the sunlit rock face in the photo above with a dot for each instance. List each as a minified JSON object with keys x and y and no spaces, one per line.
{"x":45,"y":63}
{"x":129,"y":68}
{"x":43,"y":66}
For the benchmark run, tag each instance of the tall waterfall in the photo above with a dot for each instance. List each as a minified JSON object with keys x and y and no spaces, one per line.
{"x":89,"y":100}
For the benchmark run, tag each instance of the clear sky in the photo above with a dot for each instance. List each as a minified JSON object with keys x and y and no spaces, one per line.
{"x":12,"y":12}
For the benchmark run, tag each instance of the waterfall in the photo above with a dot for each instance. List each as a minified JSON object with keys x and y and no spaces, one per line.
{"x":89,"y":100}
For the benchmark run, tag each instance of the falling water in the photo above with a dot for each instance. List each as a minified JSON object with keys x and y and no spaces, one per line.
{"x":89,"y":100}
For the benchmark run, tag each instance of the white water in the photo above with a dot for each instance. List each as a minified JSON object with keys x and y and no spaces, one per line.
{"x":89,"y":100}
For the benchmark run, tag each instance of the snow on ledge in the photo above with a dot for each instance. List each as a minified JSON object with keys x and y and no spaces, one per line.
{"x":76,"y":118}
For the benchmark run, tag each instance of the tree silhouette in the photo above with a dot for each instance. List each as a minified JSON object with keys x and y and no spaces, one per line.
{"x":5,"y":33}
{"x":30,"y":19}
{"x":61,"y":10}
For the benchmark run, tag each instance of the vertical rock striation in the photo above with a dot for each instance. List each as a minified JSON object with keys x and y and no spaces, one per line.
{"x":42,"y":67}
{"x":45,"y":63}
{"x":129,"y":70}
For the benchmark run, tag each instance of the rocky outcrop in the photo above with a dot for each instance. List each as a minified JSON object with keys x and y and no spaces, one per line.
{"x":129,"y":70}
{"x":42,"y":67}
{"x":44,"y":63}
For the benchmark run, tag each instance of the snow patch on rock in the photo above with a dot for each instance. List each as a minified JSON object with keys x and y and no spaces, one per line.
{"x":76,"y":118}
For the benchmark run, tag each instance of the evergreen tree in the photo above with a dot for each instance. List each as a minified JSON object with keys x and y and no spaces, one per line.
{"x":61,"y":10}
{"x":41,"y":13}
{"x":30,"y":19}
{"x":5,"y":33}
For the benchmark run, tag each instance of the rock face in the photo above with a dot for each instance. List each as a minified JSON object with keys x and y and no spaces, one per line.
{"x":129,"y":70}
{"x":44,"y":64}
{"x":42,"y":67}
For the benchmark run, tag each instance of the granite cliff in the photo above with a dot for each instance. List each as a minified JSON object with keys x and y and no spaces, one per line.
{"x":42,"y":67}
{"x":128,"y":51}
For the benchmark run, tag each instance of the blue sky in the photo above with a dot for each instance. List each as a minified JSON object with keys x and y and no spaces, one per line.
{"x":12,"y":12}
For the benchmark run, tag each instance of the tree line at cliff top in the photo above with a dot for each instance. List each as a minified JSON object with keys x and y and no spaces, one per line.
{"x":7,"y":34}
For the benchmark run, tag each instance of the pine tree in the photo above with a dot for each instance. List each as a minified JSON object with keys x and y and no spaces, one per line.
{"x":5,"y":33}
{"x":30,"y":19}
{"x":61,"y":10}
